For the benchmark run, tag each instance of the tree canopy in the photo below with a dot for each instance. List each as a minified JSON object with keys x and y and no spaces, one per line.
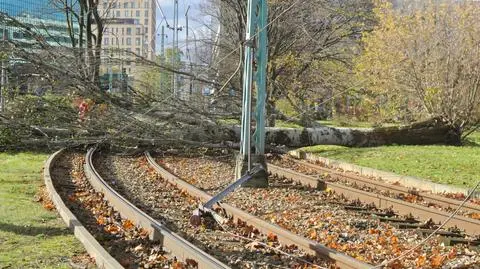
{"x":423,"y":62}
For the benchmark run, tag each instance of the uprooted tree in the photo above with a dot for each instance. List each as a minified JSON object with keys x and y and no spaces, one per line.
{"x":136,"y":117}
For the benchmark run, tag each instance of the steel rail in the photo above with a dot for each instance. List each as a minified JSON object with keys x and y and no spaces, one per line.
{"x":471,"y":226}
{"x":103,"y":259}
{"x":359,"y":180}
{"x":286,"y":237}
{"x":173,"y":243}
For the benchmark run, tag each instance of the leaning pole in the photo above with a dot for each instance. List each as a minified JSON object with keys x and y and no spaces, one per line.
{"x":254,"y":78}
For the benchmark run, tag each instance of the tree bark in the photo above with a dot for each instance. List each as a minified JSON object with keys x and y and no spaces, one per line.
{"x":429,"y":132}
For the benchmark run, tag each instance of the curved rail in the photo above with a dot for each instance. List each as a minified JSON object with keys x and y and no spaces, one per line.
{"x":102,"y":258}
{"x":471,"y":226}
{"x":286,"y":237}
{"x":173,"y":243}
{"x":379,"y":185}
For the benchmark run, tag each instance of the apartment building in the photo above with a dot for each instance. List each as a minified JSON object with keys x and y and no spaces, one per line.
{"x":130,"y":26}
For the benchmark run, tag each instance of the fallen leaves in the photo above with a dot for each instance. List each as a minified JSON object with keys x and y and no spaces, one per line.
{"x":436,"y":261}
{"x":127,"y":224}
{"x":272,"y":237}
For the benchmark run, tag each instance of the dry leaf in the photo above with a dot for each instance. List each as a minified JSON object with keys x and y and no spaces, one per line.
{"x":452,"y":253}
{"x":420,"y":261}
{"x":313,"y":234}
{"x":272,"y":237}
{"x":178,"y":265}
{"x":191,"y":263}
{"x":127,"y":225}
{"x":436,"y":260}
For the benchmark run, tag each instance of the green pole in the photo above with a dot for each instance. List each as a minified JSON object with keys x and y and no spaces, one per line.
{"x":254,"y":75}
{"x":261,"y":77}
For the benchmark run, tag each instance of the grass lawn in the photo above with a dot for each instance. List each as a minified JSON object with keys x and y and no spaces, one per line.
{"x":30,"y":236}
{"x":443,"y":164}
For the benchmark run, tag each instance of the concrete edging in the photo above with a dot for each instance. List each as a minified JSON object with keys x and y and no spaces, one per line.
{"x":407,"y":181}
{"x":102,"y":258}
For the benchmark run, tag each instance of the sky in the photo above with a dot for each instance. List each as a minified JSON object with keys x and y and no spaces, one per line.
{"x":195,"y":20}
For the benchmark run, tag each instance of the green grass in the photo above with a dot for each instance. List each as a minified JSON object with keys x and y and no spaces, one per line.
{"x":443,"y":164}
{"x":30,"y":236}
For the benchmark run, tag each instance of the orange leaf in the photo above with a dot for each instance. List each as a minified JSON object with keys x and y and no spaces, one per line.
{"x":420,"y":261}
{"x":101,"y":220}
{"x":452,"y":253}
{"x":475,"y":216}
{"x":112,"y":229}
{"x":49,"y":206}
{"x":436,"y":260}
{"x":313,"y":234}
{"x":127,"y":225}
{"x":394,"y":239}
{"x":178,"y":265}
{"x":272,"y":237}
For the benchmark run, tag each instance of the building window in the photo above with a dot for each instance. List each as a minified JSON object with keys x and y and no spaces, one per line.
{"x":114,"y":5}
{"x":137,"y":13}
{"x":106,"y":31}
{"x":129,"y":31}
{"x":137,"y":50}
{"x":137,"y":41}
{"x":125,"y":5}
{"x":122,"y":41}
{"x":105,"y":41}
{"x":129,"y":41}
{"x":146,"y":4}
{"x":126,"y":13}
{"x":138,"y":31}
{"x":145,"y":22}
{"x":146,"y":13}
{"x":123,"y":31}
{"x":146,"y":30}
{"x":132,"y":5}
{"x":118,"y":13}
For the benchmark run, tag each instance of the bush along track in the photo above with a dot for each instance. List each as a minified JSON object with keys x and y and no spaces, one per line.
{"x":322,"y":216}
{"x":241,"y":246}
{"x":129,"y":245}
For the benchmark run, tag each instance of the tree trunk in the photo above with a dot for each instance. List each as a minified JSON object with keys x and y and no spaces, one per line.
{"x":429,"y":132}
{"x":433,"y":131}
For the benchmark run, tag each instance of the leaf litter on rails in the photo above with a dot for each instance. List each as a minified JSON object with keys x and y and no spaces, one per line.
{"x":129,"y":245}
{"x":287,"y":162}
{"x":320,"y":216}
{"x":133,"y":178}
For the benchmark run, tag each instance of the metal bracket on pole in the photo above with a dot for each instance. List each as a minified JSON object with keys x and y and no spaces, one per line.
{"x":207,"y":207}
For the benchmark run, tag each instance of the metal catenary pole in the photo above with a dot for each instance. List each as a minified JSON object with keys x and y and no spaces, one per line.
{"x":255,"y":47}
{"x":261,"y":76}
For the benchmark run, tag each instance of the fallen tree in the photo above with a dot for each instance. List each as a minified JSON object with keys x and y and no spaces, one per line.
{"x":433,"y":131}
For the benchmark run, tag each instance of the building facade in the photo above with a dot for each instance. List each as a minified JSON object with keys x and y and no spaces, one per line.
{"x":130,"y":29}
{"x":40,"y":16}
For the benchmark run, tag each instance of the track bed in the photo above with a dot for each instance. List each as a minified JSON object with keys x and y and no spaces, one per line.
{"x":321,"y":216}
{"x":241,"y":246}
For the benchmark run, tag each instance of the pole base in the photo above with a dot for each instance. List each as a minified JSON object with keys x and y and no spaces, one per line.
{"x":260,"y":180}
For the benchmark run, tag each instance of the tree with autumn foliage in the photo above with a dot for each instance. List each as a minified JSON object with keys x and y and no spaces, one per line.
{"x":423,"y":62}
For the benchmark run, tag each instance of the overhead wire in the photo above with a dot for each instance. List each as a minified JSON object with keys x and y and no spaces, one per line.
{"x":421,"y":243}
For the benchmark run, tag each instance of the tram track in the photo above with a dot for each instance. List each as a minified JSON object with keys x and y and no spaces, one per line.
{"x":243,"y":246}
{"x":401,"y":200}
{"x":112,"y":240}
{"x":303,"y":208}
